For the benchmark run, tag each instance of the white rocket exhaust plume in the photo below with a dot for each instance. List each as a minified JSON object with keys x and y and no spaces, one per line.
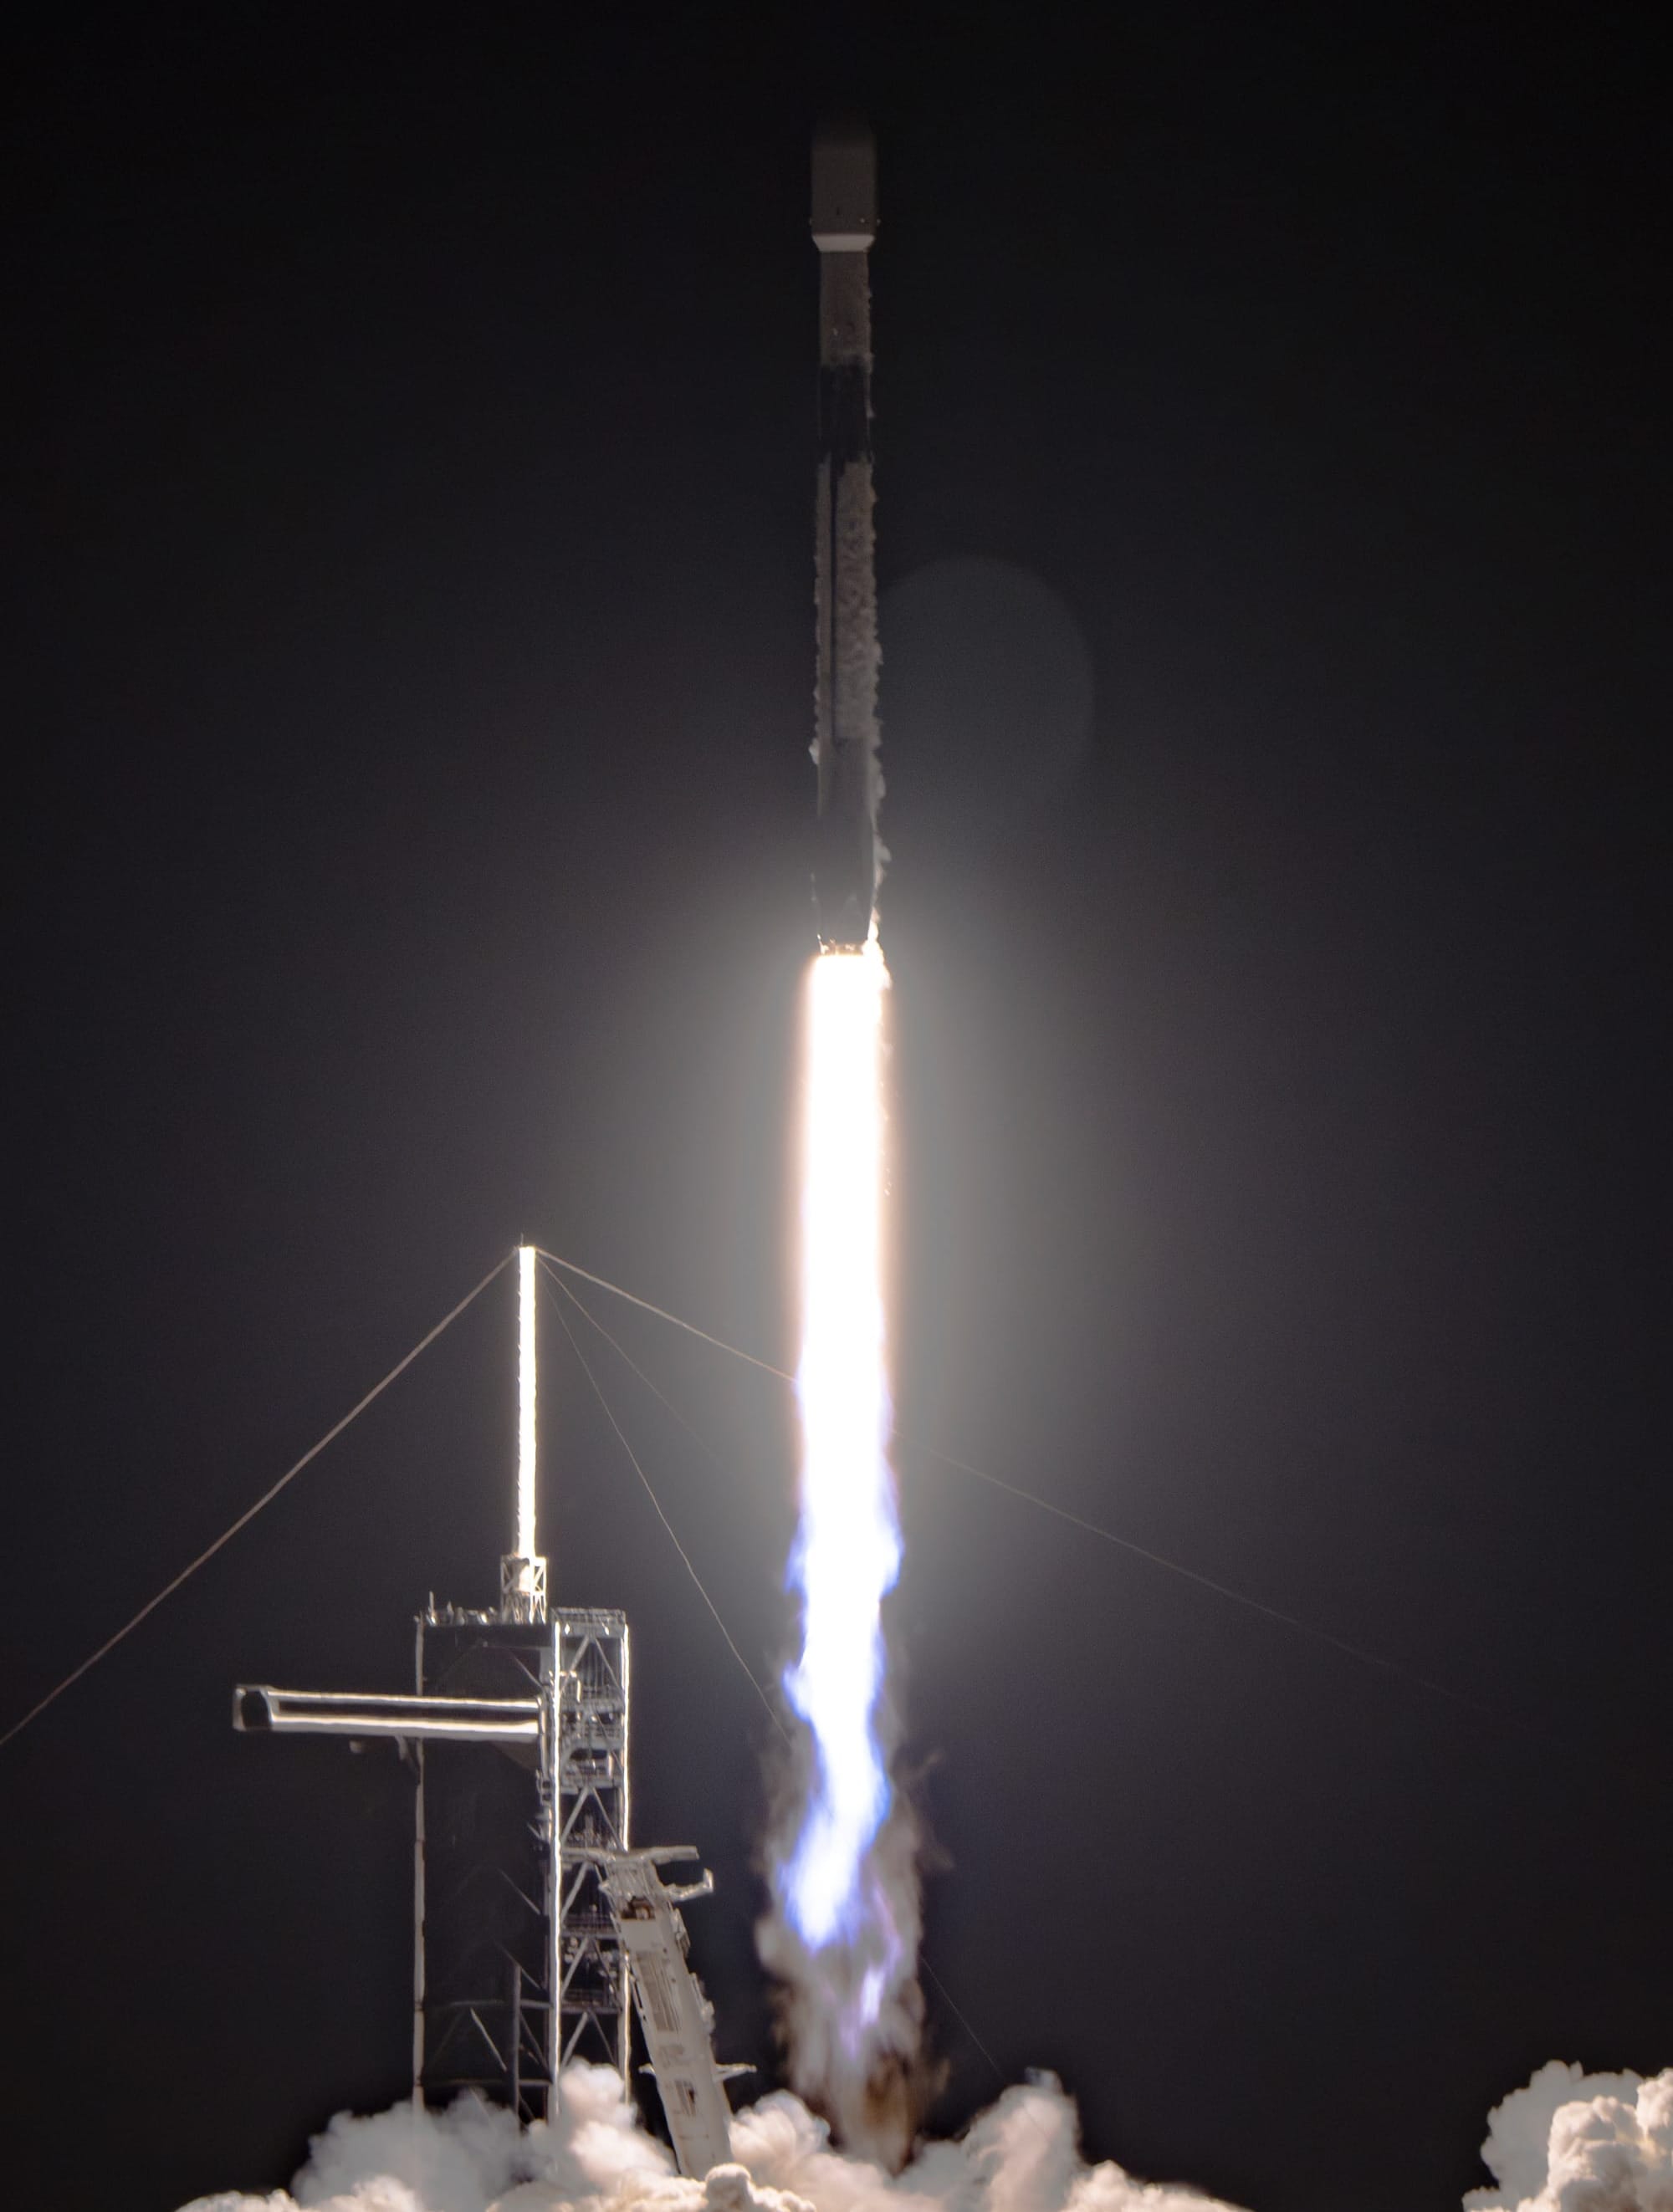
{"x":843,"y":1937}
{"x":847,"y":1552}
{"x":1021,"y":2156}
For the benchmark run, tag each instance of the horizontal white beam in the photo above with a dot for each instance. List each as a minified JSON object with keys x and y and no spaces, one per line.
{"x":259,"y":1709}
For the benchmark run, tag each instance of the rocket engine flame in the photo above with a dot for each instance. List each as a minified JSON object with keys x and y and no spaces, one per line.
{"x":847,"y":1553}
{"x":844,"y":1935}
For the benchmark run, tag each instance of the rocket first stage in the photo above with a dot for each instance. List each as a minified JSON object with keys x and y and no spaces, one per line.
{"x":847,"y":854}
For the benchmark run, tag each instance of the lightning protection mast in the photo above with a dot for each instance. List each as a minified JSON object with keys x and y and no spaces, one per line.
{"x":531,"y":1914}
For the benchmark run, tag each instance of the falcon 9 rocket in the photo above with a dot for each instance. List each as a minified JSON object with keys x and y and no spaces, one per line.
{"x":848,"y":856}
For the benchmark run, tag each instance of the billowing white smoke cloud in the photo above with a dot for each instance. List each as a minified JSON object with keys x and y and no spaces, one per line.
{"x":1021,"y":2155}
{"x":1572,"y":2142}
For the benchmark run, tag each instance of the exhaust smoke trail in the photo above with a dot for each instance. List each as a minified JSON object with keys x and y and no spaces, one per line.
{"x":843,"y":1934}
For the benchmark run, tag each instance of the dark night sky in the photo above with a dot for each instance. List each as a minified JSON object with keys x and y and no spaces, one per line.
{"x":410,"y":469}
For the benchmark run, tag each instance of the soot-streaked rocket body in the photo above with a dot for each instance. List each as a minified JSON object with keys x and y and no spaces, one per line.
{"x":842,"y":1936}
{"x":848,"y":856}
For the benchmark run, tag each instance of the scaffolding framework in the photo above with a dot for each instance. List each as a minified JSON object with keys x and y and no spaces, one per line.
{"x":593,"y":1822}
{"x":511,"y":1920}
{"x":485,"y":1897}
{"x":518,"y":1738}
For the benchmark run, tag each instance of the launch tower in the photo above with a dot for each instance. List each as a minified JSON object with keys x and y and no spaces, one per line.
{"x":533,"y":1918}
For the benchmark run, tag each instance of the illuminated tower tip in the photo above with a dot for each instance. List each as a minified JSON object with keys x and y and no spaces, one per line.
{"x":522,"y":1571}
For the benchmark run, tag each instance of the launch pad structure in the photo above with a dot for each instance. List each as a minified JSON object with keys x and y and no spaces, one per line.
{"x":537,"y":1925}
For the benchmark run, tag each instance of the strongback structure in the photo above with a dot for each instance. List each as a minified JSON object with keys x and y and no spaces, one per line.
{"x":533,"y":1917}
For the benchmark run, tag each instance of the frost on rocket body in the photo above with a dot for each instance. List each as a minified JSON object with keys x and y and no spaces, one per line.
{"x":1572,"y":2142}
{"x":1021,"y":2155}
{"x":856,"y":654}
{"x":847,"y":739}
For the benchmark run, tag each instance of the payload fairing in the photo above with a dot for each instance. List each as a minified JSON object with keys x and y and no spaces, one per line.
{"x":848,"y":856}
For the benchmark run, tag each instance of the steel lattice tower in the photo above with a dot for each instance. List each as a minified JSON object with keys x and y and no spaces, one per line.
{"x":535,"y":1923}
